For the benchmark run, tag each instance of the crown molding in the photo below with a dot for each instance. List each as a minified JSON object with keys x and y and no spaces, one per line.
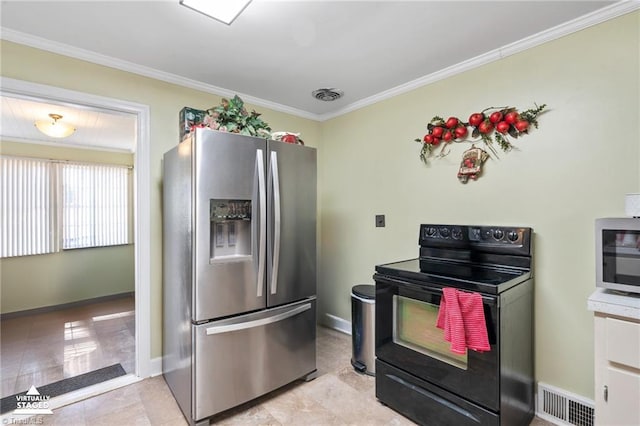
{"x":594,"y":18}
{"x":108,"y":61}
{"x":63,"y":144}
{"x":610,"y":12}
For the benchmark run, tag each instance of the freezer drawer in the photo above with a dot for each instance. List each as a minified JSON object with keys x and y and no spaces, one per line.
{"x":241,"y":358}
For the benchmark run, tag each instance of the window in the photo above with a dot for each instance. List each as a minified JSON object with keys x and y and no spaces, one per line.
{"x":47,"y":205}
{"x":27,"y":217}
{"x":95,"y":205}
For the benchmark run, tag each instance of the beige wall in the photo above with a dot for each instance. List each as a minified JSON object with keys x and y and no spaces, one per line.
{"x":31,"y":282}
{"x":164,"y":100}
{"x":576,"y":167}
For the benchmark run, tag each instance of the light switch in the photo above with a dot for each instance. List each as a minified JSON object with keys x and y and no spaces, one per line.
{"x":379,"y":221}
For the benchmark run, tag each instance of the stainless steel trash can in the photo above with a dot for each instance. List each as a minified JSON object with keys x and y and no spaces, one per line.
{"x":363,"y":300}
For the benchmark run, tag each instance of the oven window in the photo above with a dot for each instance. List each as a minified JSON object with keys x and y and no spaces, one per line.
{"x":621,"y":256}
{"x":414,"y":327}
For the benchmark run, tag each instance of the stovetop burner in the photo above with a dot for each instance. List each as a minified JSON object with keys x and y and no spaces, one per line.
{"x":480,"y":278}
{"x":487,"y":259}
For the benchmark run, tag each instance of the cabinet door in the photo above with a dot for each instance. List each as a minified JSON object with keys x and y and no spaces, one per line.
{"x":623,"y":395}
{"x":623,"y":342}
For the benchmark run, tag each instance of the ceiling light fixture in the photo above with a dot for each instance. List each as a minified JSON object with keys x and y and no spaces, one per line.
{"x":54,"y":128}
{"x":225,"y":11}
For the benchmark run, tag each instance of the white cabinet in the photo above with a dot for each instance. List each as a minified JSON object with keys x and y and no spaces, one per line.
{"x":621,"y":406}
{"x":617,"y":366}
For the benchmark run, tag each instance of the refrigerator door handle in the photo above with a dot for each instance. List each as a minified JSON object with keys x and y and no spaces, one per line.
{"x":258,"y":323}
{"x":262,"y":225}
{"x":276,"y":220}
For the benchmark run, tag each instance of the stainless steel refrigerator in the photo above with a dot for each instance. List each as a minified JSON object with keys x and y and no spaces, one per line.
{"x":239,"y":269}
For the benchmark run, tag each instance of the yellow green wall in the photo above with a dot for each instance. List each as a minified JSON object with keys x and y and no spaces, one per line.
{"x":52,"y":152}
{"x":165,"y":100}
{"x":30,"y":282}
{"x":576,"y":167}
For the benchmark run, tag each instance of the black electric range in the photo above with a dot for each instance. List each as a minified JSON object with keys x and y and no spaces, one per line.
{"x":416,"y":373}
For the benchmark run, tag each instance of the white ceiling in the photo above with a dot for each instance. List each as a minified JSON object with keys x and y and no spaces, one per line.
{"x":277,"y":52}
{"x":101,"y":129}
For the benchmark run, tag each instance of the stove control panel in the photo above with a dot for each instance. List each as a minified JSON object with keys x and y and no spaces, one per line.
{"x":495,"y":235}
{"x":485,"y":238}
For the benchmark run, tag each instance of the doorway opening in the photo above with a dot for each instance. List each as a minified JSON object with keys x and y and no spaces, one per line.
{"x":123,"y":319}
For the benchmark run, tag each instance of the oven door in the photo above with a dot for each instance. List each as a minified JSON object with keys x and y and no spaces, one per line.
{"x":407,"y":338}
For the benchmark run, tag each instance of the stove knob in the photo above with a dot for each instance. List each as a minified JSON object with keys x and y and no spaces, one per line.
{"x":512,"y":236}
{"x":486,"y":234}
{"x":444,"y":232}
{"x":498,"y":234}
{"x":431,"y":231}
{"x":456,"y":233}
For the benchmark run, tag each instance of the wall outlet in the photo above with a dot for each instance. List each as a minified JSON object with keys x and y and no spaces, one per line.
{"x":379,"y":221}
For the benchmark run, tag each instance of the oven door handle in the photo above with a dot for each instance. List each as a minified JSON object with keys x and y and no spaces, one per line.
{"x":424,"y":288}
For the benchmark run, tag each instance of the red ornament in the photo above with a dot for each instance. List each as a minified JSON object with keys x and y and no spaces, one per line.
{"x":452,"y":122}
{"x":495,"y":117}
{"x":475,"y":119}
{"x":461,"y":132}
{"x":511,"y":117}
{"x":290,"y":139}
{"x":485,"y":127}
{"x":503,"y":127}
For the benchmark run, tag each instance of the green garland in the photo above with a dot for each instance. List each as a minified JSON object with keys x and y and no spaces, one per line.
{"x":231,"y":116}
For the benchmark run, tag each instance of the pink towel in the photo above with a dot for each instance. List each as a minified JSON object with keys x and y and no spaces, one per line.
{"x":461,"y":316}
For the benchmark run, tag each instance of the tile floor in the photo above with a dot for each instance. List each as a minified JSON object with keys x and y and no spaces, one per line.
{"x":339,"y":396}
{"x":44,"y":348}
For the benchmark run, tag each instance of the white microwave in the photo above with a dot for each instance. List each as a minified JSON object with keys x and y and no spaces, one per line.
{"x":618,"y":254}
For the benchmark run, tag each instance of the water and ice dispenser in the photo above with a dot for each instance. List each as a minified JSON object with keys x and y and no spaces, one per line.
{"x":230,"y":230}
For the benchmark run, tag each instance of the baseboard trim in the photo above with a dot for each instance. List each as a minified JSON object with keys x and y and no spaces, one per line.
{"x":337,"y":324}
{"x":46,"y":309}
{"x":155,"y":367}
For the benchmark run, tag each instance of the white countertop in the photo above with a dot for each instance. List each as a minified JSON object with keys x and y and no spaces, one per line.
{"x":615,"y":303}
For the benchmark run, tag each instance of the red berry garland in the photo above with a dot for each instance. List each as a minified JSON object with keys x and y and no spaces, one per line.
{"x":490,"y":125}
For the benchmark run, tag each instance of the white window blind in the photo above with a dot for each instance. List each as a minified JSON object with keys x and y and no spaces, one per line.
{"x":27,"y":214}
{"x":95,"y":205}
{"x":48,"y":205}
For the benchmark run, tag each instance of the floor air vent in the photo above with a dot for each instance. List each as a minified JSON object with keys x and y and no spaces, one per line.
{"x":563,"y":408}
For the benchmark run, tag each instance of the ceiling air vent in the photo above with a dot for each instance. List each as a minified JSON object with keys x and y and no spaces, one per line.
{"x":327,"y":95}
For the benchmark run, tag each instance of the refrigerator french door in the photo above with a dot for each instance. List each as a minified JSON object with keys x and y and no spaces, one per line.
{"x":239,"y":230}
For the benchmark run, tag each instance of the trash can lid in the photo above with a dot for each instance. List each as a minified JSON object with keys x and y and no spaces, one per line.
{"x":366,"y":291}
